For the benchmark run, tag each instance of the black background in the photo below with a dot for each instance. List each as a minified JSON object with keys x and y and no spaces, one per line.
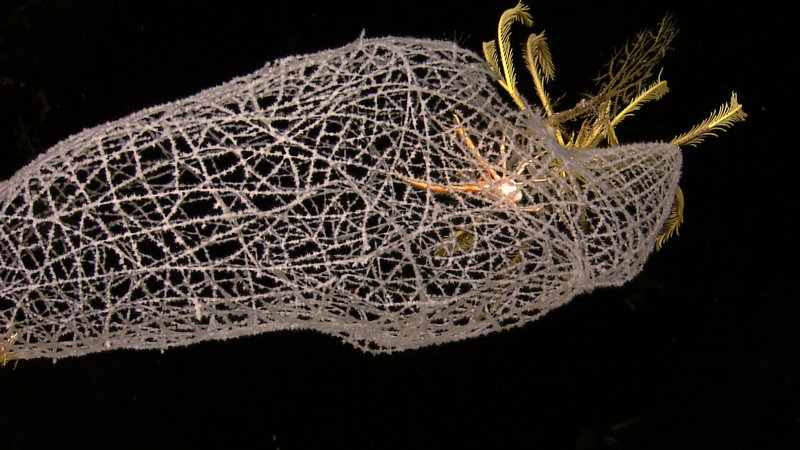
{"x":700,"y":351}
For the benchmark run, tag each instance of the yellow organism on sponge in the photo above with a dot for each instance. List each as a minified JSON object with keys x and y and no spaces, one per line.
{"x":6,"y":354}
{"x":621,"y":91}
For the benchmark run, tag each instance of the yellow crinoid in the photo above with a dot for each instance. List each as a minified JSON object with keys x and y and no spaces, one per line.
{"x":626,"y":85}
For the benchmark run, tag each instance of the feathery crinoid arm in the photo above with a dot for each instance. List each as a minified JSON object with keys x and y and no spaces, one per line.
{"x":674,"y":220}
{"x":540,"y":65}
{"x":727,"y":115}
{"x":505,"y":66}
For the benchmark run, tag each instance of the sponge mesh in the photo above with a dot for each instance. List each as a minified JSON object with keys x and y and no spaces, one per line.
{"x":284,"y":200}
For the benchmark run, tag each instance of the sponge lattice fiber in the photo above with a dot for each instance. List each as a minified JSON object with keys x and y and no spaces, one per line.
{"x":284,"y":199}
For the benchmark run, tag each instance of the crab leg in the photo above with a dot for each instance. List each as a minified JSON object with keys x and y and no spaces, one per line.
{"x":437,"y":189}
{"x":476,"y":153}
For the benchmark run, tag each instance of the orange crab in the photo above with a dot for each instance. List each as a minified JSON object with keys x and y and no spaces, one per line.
{"x":501,"y":188}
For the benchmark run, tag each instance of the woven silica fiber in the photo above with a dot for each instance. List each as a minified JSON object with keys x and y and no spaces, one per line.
{"x":284,"y":200}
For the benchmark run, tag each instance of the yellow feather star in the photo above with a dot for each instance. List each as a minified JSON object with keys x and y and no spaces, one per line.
{"x":627,"y":73}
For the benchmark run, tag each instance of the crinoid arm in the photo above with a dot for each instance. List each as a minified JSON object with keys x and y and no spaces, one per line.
{"x":725,"y":117}
{"x":673,"y":222}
